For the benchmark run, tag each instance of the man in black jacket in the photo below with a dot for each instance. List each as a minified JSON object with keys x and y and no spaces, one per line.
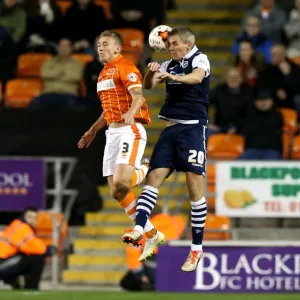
{"x":231,"y":101}
{"x":262,"y":129}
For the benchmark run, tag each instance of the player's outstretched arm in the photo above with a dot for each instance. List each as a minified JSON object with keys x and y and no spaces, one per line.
{"x":90,"y":135}
{"x":193,"y":78}
{"x":151,"y":78}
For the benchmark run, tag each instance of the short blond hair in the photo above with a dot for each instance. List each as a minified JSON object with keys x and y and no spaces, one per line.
{"x":113,"y":34}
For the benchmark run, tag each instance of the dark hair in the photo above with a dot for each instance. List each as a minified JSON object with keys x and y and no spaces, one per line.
{"x":115,"y":35}
{"x":185,"y":33}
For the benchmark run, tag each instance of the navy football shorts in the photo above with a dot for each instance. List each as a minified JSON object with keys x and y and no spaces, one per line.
{"x":181,"y":147}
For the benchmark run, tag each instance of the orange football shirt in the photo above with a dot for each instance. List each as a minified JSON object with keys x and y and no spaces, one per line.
{"x":114,"y":83}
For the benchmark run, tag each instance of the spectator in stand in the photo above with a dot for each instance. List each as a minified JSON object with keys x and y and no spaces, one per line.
{"x":259,"y":41}
{"x":61,"y":75}
{"x":13,"y":17}
{"x":282,"y":77}
{"x":292,"y":31}
{"x":248,"y":62}
{"x":231,"y":100}
{"x":272,"y":19}
{"x":44,"y":26}
{"x":8,"y":54}
{"x":91,"y":74}
{"x":83,"y":22}
{"x":262,"y":129}
{"x":143,"y":14}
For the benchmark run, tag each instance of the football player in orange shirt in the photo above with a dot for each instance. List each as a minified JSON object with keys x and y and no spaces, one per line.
{"x":124,"y":112}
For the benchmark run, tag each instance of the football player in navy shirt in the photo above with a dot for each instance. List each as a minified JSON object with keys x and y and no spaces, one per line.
{"x":182,"y":144}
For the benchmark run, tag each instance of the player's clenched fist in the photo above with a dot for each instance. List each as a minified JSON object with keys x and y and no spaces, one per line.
{"x":154,"y":67}
{"x":87,"y":139}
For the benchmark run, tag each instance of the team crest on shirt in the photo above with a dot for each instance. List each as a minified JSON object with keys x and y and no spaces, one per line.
{"x":111,"y":71}
{"x":132,"y":77}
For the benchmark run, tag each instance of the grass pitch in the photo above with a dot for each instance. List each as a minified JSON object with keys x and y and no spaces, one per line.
{"x":11,"y":295}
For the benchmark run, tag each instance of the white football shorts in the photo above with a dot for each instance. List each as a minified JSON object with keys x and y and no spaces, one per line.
{"x":124,"y":145}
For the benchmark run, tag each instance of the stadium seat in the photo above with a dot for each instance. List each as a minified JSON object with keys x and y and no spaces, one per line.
{"x":44,"y":228}
{"x":295,"y":59}
{"x":210,"y":183}
{"x":84,"y":58}
{"x":20,"y":92}
{"x":130,"y":56}
{"x":133,"y":40}
{"x":210,"y":199}
{"x":1,"y":92}
{"x":289,"y":129}
{"x":289,"y":119}
{"x":220,"y":224}
{"x":30,"y":64}
{"x":296,"y":148}
{"x":225,"y":146}
{"x":106,"y":6}
{"x":64,"y":5}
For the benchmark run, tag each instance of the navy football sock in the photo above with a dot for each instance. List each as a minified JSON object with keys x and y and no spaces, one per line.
{"x":198,"y":217}
{"x":145,"y":204}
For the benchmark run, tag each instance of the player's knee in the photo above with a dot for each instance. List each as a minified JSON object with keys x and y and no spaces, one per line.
{"x":119,"y":190}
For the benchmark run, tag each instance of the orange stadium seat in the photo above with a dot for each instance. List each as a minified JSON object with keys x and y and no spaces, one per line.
{"x":130,"y":56}
{"x":64,"y":5}
{"x":289,"y":119}
{"x":296,"y":148}
{"x":210,"y":200}
{"x":220,"y":224}
{"x":44,"y":228}
{"x":133,"y":40}
{"x":20,"y":92}
{"x":1,"y":92}
{"x":30,"y":64}
{"x":84,"y":58}
{"x":106,"y":6}
{"x":289,"y":129}
{"x":210,"y":175}
{"x":225,"y":146}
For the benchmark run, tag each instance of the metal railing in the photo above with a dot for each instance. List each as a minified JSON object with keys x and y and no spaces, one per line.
{"x":60,"y":190}
{"x":63,"y":169}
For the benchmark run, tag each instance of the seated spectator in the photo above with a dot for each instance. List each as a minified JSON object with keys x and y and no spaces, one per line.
{"x":141,"y":275}
{"x":44,"y":26}
{"x":292,"y":31}
{"x":231,"y":100}
{"x":248,"y":62}
{"x":61,"y":75}
{"x":272,"y":19}
{"x":22,"y":252}
{"x":91,"y":74}
{"x":83,"y":22}
{"x":253,"y":34}
{"x":282,"y":77}
{"x":13,"y":17}
{"x":141,"y":14}
{"x":262,"y":129}
{"x":8,"y":54}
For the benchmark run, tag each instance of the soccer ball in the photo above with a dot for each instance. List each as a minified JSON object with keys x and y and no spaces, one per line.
{"x":158,"y":38}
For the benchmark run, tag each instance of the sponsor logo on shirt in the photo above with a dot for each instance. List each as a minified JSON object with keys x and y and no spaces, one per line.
{"x":105,"y":85}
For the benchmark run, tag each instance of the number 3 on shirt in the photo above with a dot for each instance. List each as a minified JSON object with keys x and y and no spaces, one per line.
{"x":196,"y":157}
